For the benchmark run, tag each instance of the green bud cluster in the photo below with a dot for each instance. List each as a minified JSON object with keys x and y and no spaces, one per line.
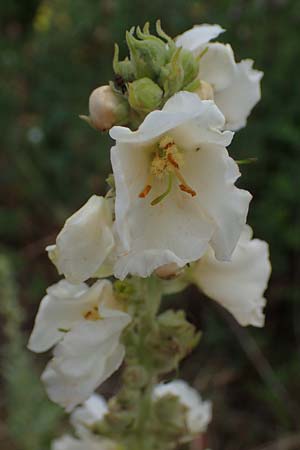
{"x":154,"y":71}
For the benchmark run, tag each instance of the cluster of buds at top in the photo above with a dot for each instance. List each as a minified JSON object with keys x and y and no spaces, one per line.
{"x":154,"y":71}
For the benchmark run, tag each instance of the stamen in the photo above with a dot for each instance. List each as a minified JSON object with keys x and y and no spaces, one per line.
{"x":187,"y":189}
{"x":145,"y":191}
{"x":183,"y":184}
{"x":164,"y":194}
{"x":172,"y":161}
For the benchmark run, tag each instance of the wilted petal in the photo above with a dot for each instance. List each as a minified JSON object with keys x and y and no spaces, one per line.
{"x":199,"y":413}
{"x":85,"y":241}
{"x":198,"y":36}
{"x":237,"y":285}
{"x":238,"y":99}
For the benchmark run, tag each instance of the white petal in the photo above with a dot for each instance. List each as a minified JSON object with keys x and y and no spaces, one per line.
{"x":64,"y":305}
{"x":85,"y":241}
{"x":238,"y":99}
{"x":175,"y":230}
{"x":67,"y":442}
{"x":238,"y":285}
{"x":59,"y":310}
{"x":217,"y":66}
{"x":183,"y":109}
{"x":199,"y":412}
{"x":92,"y":410}
{"x":86,"y":357}
{"x":197,"y":36}
{"x":212,"y":173}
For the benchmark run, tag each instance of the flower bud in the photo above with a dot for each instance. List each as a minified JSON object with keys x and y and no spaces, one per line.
{"x":148,"y":53}
{"x":107,"y":108}
{"x":144,"y":95}
{"x":190,"y":66}
{"x":205,"y":91}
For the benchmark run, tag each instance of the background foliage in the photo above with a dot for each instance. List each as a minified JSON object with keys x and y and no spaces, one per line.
{"x":52,"y":54}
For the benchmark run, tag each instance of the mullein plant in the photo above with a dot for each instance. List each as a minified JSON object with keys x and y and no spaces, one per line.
{"x":172,"y":216}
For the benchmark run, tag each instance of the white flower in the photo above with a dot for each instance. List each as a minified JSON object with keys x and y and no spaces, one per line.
{"x":83,"y":418}
{"x":236,"y":86}
{"x":237,"y":285}
{"x":199,"y":413}
{"x":86,"y":325}
{"x":85,"y":242}
{"x":175,"y":188}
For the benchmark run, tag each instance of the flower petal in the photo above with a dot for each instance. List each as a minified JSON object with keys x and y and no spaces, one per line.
{"x":237,"y":285}
{"x":197,"y":36}
{"x":199,"y":412}
{"x":202,"y":116}
{"x":86,"y":357}
{"x":58,"y":311}
{"x":67,"y":442}
{"x":65,"y":305}
{"x":85,"y":241}
{"x":213,"y":173}
{"x":84,"y":417}
{"x":238,"y":99}
{"x":173,"y":231}
{"x":217,"y":66}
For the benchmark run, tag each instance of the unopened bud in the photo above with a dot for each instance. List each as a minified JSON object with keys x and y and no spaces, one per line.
{"x":190,"y":66}
{"x":205,"y":91}
{"x":144,"y":95}
{"x":168,"y":271}
{"x":107,"y":108}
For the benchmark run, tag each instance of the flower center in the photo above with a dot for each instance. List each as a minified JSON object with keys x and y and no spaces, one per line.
{"x":167,"y":161}
{"x":92,"y":314}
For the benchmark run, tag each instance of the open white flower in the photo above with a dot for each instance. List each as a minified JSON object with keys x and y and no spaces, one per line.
{"x":199,"y":412}
{"x":237,"y":285}
{"x":236,"y":86}
{"x":175,"y":188}
{"x":84,"y":244}
{"x":86,"y":324}
{"x":82,"y":419}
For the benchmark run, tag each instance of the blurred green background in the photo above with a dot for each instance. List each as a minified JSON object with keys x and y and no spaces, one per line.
{"x":53,"y":54}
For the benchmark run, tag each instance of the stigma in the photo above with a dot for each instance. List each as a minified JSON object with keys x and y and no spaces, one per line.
{"x":167,"y":162}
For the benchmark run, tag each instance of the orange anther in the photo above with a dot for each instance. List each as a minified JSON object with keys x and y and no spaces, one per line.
{"x":172,"y":161}
{"x":145,"y":191}
{"x":187,"y":189}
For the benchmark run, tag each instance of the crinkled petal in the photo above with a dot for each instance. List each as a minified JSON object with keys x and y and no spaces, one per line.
{"x":212,"y":173}
{"x":238,"y":99}
{"x":199,"y":35}
{"x":238,"y":285}
{"x":86,"y":357}
{"x":202,"y":117}
{"x":199,"y":412}
{"x":217,"y":66}
{"x":85,"y":241}
{"x":64,"y":305}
